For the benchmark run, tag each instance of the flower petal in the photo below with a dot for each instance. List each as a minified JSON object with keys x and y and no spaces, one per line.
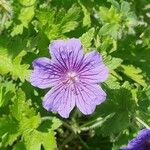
{"x":60,"y":99}
{"x":67,"y":53}
{"x":139,"y":140}
{"x":88,"y":96}
{"x":45,"y":74}
{"x":92,"y":68}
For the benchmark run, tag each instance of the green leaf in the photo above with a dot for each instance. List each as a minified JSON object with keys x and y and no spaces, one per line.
{"x":22,"y":111}
{"x":72,"y":15}
{"x":21,"y":108}
{"x":125,"y":7}
{"x":5,"y":14}
{"x":109,"y":15}
{"x":54,"y":32}
{"x":19,"y":146}
{"x":69,"y":21}
{"x":26,"y":15}
{"x":56,"y":123}
{"x":28,"y":124}
{"x":22,"y":118}
{"x":20,"y":70}
{"x":112,"y":82}
{"x":134,"y":73}
{"x":35,"y":139}
{"x":71,"y":25}
{"x":111,"y":21}
{"x":144,"y":105}
{"x":60,"y":23}
{"x":110,"y":29}
{"x":18,"y":29}
{"x":14,"y":67}
{"x":115,"y":4}
{"x":119,"y":103}
{"x":5,"y":64}
{"x":87,"y":38}
{"x":117,"y":20}
{"x":87,"y":18}
{"x":7,"y":91}
{"x":9,"y":130}
{"x":107,"y":43}
{"x":24,"y":122}
{"x":45,"y":16}
{"x":115,"y":124}
{"x":112,"y":62}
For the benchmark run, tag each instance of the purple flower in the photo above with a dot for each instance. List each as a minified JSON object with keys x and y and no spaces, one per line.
{"x":140,"y":142}
{"x":73,"y":76}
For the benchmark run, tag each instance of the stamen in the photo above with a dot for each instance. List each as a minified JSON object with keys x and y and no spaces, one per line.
{"x":72,"y":76}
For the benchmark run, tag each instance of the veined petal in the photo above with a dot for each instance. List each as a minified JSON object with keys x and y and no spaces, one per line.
{"x":88,"y":96}
{"x":92,"y":69}
{"x":60,"y":99}
{"x":73,"y":77}
{"x":67,"y":53}
{"x":45,"y":74}
{"x":140,"y":139}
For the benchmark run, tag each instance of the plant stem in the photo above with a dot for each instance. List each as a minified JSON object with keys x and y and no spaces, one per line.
{"x":67,"y":140}
{"x":83,"y":143}
{"x":143,"y":123}
{"x":91,"y":122}
{"x":64,"y":123}
{"x":46,"y":118}
{"x":67,"y":126}
{"x":98,"y":122}
{"x":74,"y":116}
{"x":91,"y":127}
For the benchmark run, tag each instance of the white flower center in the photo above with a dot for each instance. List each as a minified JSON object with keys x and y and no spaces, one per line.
{"x":72,"y":76}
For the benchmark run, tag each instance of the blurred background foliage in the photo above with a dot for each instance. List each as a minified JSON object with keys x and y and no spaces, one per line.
{"x":118,"y":29}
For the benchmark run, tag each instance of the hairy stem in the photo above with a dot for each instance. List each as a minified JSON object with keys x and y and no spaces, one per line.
{"x":143,"y":123}
{"x":46,"y":118}
{"x":67,"y":140}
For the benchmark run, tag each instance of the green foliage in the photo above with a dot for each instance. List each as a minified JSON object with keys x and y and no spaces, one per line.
{"x":25,"y":16}
{"x":5,"y":13}
{"x":7,"y":90}
{"x":143,"y":104}
{"x":23,"y":122}
{"x":35,"y":139}
{"x":120,"y":104}
{"x":134,"y":74}
{"x":86,"y":19}
{"x":118,"y":29}
{"x":57,"y":23}
{"x":14,"y":66}
{"x":117,"y":20}
{"x":87,"y":38}
{"x":21,"y":119}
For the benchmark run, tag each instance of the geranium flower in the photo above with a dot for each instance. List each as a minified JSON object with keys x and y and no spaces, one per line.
{"x":140,"y":142}
{"x":73,"y":76}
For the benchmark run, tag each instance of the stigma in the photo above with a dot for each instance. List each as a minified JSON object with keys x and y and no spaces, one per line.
{"x":72,"y":76}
